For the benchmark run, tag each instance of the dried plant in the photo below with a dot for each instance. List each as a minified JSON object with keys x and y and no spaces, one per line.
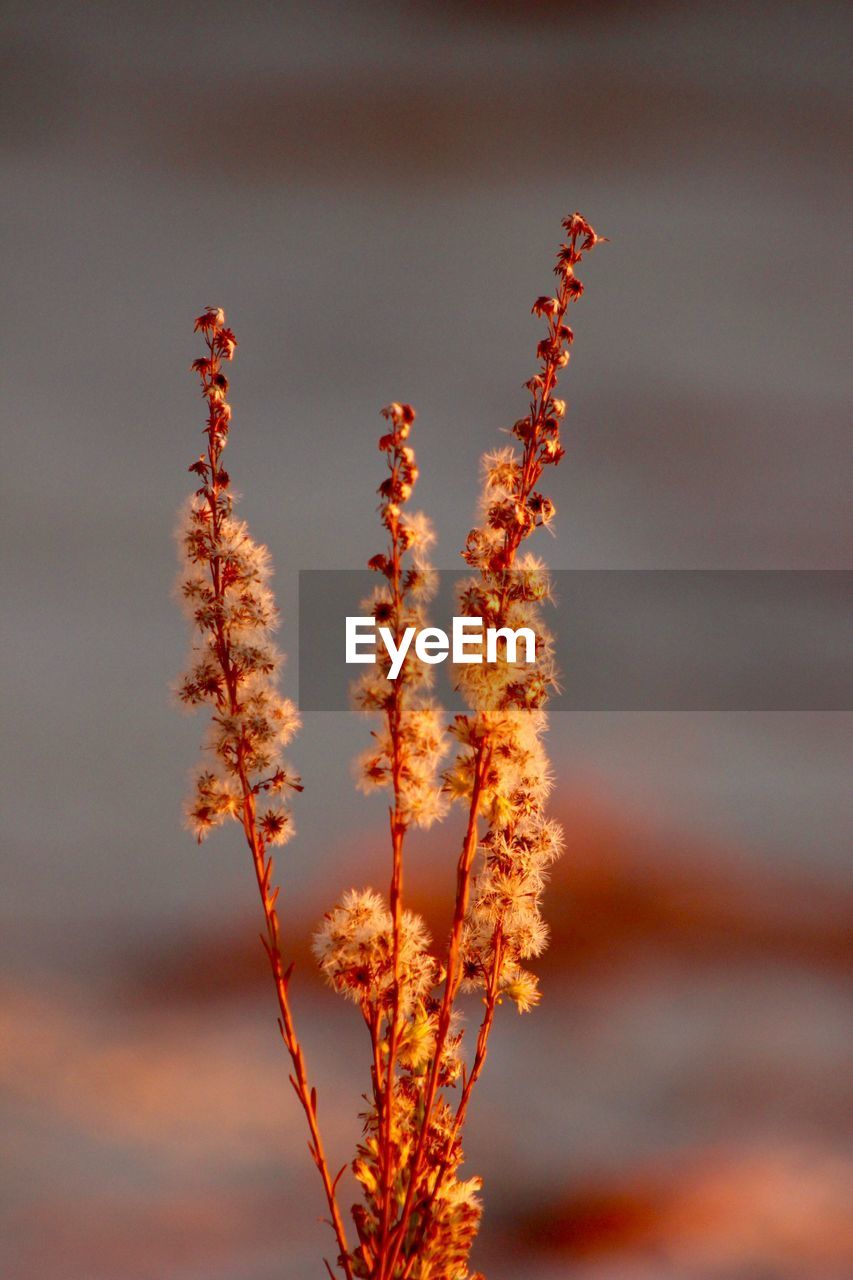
{"x":416,"y":1219}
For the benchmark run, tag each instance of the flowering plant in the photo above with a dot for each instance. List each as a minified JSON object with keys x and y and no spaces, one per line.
{"x":416,"y":1219}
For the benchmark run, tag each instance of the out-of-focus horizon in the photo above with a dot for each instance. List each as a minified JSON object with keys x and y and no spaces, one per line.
{"x":374,"y":192}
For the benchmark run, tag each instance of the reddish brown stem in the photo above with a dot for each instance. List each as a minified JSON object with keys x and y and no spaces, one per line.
{"x":398,"y":831}
{"x":451,"y":986}
{"x":263,"y":867}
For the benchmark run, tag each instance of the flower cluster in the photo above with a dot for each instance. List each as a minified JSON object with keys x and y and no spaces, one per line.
{"x":233,"y":665}
{"x":512,"y":506}
{"x":448,"y":1217}
{"x":354,"y":949}
{"x":409,"y":746}
{"x":391,"y":975}
{"x":503,"y":923}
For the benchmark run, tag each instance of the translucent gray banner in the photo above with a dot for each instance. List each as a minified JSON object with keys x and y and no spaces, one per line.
{"x":634,"y":640}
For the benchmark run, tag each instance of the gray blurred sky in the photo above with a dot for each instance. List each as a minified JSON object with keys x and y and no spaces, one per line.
{"x":374,"y":192}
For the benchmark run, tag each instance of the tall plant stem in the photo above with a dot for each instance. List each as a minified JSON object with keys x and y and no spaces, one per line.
{"x":262,"y":864}
{"x":451,"y":987}
{"x":398,"y":829}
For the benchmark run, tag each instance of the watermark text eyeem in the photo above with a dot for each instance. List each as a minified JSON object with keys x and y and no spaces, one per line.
{"x":466,"y":643}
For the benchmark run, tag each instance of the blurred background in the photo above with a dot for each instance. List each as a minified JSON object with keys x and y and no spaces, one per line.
{"x":373,"y":191}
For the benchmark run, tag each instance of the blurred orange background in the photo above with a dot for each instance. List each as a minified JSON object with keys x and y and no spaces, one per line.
{"x":373,"y":192}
